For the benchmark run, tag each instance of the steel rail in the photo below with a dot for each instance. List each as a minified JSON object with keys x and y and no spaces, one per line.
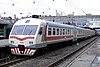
{"x":59,"y":61}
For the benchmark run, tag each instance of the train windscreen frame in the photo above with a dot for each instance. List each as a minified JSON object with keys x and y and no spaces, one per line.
{"x":24,"y":30}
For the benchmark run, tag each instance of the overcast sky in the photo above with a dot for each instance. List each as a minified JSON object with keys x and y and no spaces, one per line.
{"x":49,"y":7}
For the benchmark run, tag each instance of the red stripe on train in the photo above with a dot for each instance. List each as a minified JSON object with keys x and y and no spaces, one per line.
{"x":26,"y":51}
{"x":21,"y":38}
{"x":58,"y":37}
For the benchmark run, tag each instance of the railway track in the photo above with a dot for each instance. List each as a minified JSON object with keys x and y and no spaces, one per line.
{"x":54,"y":58}
{"x":12,"y":62}
{"x":81,"y":50}
{"x":3,"y":60}
{"x":6,"y":59}
{"x":50,"y":59}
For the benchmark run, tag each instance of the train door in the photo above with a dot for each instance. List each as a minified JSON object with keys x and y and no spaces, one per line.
{"x":74,"y":34}
{"x":40,"y":35}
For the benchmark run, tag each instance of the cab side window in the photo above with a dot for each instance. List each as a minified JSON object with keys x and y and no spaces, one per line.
{"x":41,"y":30}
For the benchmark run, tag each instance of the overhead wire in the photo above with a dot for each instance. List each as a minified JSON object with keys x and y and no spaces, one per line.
{"x":77,"y":7}
{"x":34,"y":1}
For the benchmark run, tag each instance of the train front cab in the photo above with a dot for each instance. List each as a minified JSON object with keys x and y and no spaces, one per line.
{"x":26,"y":43}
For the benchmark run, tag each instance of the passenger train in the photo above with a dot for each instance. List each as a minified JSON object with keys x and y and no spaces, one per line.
{"x":29,"y":34}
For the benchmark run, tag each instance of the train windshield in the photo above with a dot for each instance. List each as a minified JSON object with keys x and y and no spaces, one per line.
{"x":24,"y":30}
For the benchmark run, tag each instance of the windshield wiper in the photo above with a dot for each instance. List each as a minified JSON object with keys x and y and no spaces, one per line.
{"x":30,"y":32}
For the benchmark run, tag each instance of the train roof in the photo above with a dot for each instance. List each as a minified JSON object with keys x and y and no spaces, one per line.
{"x":56,"y":24}
{"x":30,"y":21}
{"x":39,"y":21}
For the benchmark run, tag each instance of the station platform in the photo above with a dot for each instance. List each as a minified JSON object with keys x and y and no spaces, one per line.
{"x":3,"y":43}
{"x":89,"y":58}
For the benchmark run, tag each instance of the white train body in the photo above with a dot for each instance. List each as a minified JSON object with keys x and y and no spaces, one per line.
{"x":29,"y":34}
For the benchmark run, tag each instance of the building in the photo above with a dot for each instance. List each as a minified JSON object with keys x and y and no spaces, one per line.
{"x":79,"y":20}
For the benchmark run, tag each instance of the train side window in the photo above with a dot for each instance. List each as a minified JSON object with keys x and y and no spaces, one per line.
{"x":78,"y":31}
{"x":40,"y":31}
{"x":49,"y":31}
{"x":68,"y":31}
{"x":63,"y":31}
{"x":54,"y":31}
{"x":72,"y":31}
{"x":82,"y":32}
{"x":57,"y":31}
{"x":60,"y":31}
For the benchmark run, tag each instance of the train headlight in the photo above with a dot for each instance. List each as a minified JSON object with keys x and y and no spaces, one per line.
{"x":12,"y":42}
{"x":30,"y":42}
